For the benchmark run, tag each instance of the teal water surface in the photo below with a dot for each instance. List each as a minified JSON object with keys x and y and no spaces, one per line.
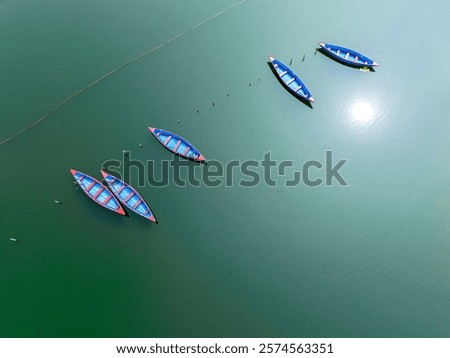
{"x":371,"y":259}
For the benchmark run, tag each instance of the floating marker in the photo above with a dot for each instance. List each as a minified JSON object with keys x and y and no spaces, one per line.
{"x":13,"y":239}
{"x":57,"y":202}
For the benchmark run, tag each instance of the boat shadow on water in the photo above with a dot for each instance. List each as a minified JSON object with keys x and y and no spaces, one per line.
{"x":327,"y":54}
{"x":299,"y":97}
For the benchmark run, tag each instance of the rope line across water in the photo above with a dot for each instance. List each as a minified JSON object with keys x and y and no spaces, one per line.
{"x":110,"y":73}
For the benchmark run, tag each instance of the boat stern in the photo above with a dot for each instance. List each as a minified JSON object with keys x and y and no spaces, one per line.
{"x":201,"y":158}
{"x":120,"y":211}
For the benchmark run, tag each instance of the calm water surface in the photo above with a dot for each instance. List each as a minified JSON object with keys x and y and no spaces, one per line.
{"x":368,"y":260}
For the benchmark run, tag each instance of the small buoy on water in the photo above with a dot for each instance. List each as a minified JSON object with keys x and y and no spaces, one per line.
{"x":57,"y":202}
{"x":303,"y":59}
{"x":249,"y":84}
{"x":140,"y":145}
{"x":12,"y":239}
{"x":214,"y":104}
{"x":228,"y":95}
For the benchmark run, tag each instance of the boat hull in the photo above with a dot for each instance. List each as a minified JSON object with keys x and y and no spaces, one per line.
{"x":129,"y":196}
{"x":177,"y":144}
{"x":97,"y":192}
{"x":347,"y":56}
{"x":290,"y":80}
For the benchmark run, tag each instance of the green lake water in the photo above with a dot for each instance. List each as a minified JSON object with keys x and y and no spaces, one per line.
{"x":371,"y":259}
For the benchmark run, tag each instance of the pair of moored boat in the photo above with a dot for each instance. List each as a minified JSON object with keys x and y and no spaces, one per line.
{"x":118,"y":192}
{"x":295,"y":85}
{"x":121,"y":192}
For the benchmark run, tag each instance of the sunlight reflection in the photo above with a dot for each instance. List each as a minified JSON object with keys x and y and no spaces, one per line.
{"x":363,"y":112}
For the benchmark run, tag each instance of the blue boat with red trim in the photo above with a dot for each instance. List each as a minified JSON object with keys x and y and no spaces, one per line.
{"x":129,"y":196}
{"x":348,"y":56}
{"x":290,"y":80}
{"x":97,"y":192}
{"x":177,"y":144}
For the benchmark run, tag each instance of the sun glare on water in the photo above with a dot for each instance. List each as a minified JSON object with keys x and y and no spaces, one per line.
{"x":362,"y":112}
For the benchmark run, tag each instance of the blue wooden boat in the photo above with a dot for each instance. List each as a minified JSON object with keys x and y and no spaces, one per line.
{"x":177,"y":144}
{"x":128,"y":196}
{"x":97,"y":192}
{"x":347,"y":56}
{"x":292,"y":82}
